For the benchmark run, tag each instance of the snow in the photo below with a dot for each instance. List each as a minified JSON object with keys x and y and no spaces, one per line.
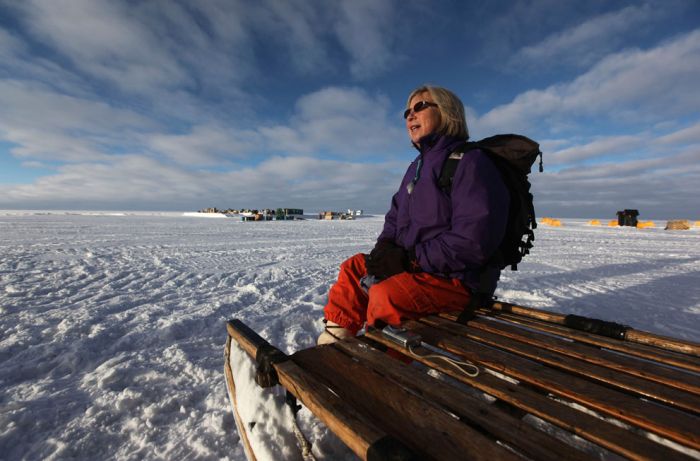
{"x":197,"y":214}
{"x":113,"y":324}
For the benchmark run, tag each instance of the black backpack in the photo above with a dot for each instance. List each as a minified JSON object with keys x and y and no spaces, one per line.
{"x":514,"y":156}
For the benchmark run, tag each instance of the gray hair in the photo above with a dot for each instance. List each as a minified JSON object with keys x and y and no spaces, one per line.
{"x":452,"y":119}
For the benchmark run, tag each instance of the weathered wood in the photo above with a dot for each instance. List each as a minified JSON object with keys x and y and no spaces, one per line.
{"x":355,"y":430}
{"x":631,"y":366}
{"x":675,"y":425}
{"x":637,"y":336}
{"x":358,"y":433}
{"x":673,"y":359}
{"x":231,"y":387}
{"x":603,"y":433}
{"x":427,"y":429}
{"x":514,"y":432}
{"x":365,"y":397}
{"x":644,"y":388}
{"x":663,"y":342}
{"x":245,"y":341}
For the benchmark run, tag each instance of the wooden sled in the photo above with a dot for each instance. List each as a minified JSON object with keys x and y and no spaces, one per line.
{"x":546,"y":389}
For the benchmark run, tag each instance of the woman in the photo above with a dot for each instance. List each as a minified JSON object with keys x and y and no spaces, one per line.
{"x":427,"y":257}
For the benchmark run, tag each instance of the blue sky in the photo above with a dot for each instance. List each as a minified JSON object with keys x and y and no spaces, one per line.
{"x":179,"y":105}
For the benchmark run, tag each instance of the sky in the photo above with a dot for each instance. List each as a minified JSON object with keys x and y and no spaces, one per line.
{"x":179,"y":105}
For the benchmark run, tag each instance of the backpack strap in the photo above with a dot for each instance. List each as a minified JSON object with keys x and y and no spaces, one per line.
{"x":449,"y":167}
{"x":448,"y":171}
{"x":482,"y":297}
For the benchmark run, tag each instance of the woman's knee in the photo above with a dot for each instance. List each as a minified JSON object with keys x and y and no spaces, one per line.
{"x":382,"y":305}
{"x":354,"y":264}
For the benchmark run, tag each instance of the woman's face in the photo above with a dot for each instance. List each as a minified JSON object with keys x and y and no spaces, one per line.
{"x":422,"y":123}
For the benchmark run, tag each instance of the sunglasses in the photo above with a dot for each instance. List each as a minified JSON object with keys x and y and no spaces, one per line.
{"x":417,"y":107}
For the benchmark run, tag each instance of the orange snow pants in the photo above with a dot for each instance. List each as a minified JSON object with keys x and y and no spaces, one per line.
{"x":402,"y":296}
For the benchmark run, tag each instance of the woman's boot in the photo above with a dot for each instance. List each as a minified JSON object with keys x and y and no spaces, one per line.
{"x":333,"y":333}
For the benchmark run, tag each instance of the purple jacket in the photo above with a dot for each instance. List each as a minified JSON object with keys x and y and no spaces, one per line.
{"x":453,"y":234}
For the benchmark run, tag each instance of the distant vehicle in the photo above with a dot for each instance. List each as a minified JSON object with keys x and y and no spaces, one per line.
{"x":627,"y":218}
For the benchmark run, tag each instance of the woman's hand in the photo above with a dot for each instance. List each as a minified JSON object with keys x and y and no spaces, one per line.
{"x":386,"y":261}
{"x":381,"y":246}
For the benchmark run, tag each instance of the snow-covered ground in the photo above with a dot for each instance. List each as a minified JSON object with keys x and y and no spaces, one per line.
{"x":113,"y":324}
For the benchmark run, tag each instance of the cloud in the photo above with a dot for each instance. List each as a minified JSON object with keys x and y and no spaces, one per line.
{"x":338,"y":121}
{"x":142,"y":183}
{"x":586,"y":42}
{"x":210,"y":47}
{"x":660,"y":186}
{"x":46,"y":125}
{"x":236,"y":103}
{"x":145,"y":48}
{"x":366,"y":31}
{"x":100,"y":39}
{"x":206,"y":145}
{"x":108,"y":157}
{"x":202,"y":59}
{"x":632,"y":86}
{"x":126,"y":180}
{"x":689,"y":135}
{"x":18,"y":61}
{"x":340,"y":181}
{"x":332,"y":122}
{"x":655,"y":174}
{"x":604,"y":147}
{"x":300,"y":29}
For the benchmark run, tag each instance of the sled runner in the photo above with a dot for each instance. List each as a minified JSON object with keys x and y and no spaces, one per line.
{"x":546,"y":386}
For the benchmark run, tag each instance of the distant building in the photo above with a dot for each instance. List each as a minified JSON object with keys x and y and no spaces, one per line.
{"x":328,"y":215}
{"x":284,"y":214}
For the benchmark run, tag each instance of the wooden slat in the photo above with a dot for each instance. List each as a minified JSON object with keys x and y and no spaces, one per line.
{"x":523,"y":437}
{"x":663,"y":342}
{"x":642,"y":369}
{"x":245,"y":342}
{"x":677,"y":426}
{"x":421,"y":425}
{"x":356,"y":431}
{"x":648,"y":389}
{"x":231,"y":387}
{"x":637,"y":336}
{"x":673,"y":359}
{"x":663,"y":356}
{"x":363,"y":407}
{"x":603,"y":433}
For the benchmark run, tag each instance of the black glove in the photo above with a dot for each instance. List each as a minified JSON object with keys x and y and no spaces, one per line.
{"x":377,"y":252}
{"x":387,"y":261}
{"x":380,"y":247}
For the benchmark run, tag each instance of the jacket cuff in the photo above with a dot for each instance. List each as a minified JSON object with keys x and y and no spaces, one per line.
{"x":413,"y":265}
